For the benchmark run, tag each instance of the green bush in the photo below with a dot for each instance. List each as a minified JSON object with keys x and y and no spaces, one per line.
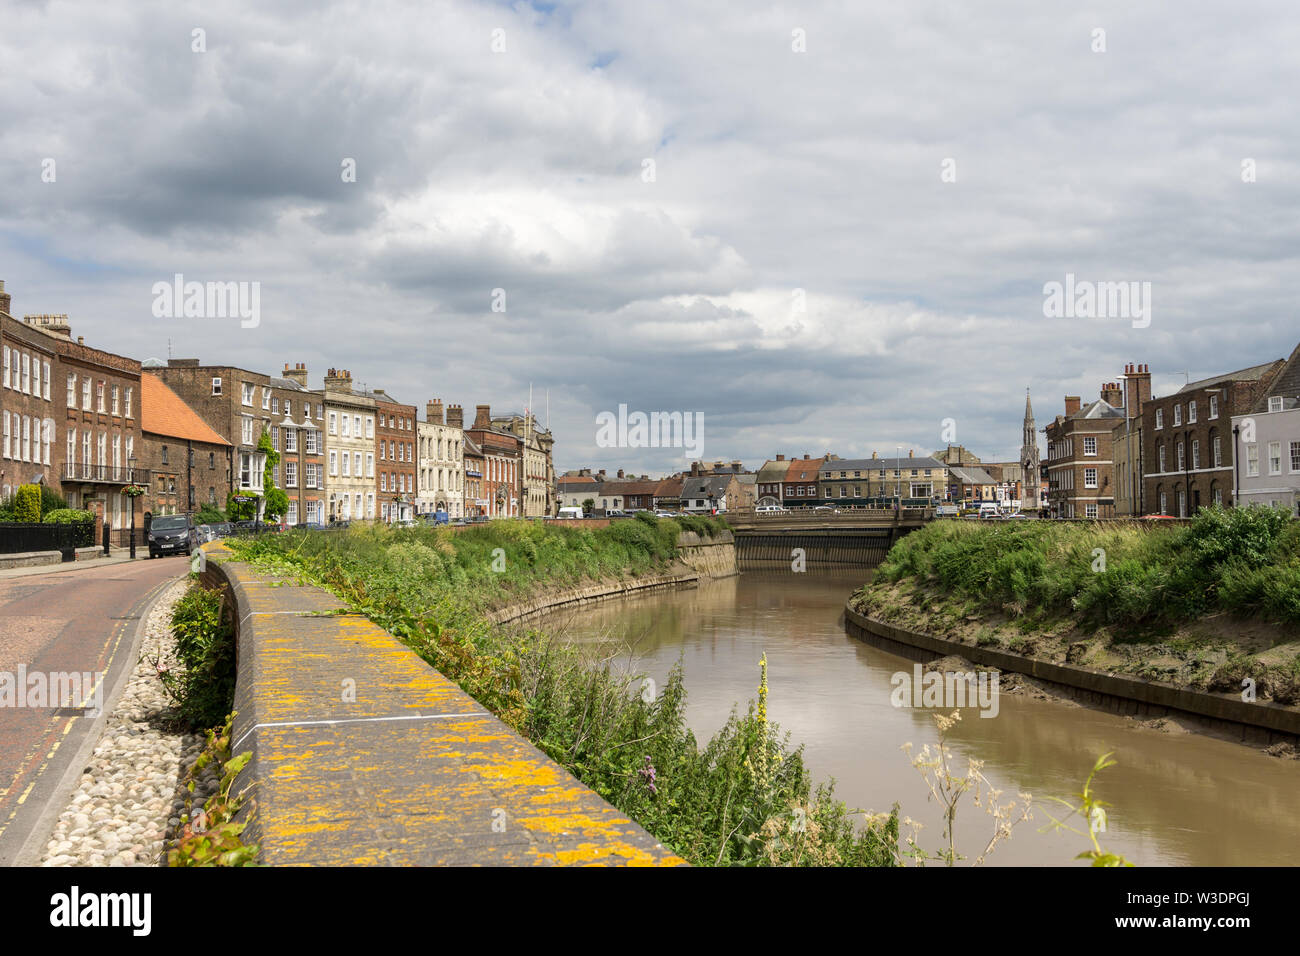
{"x":27,"y":504}
{"x":1245,"y":560}
{"x":205,"y":644}
{"x":68,"y":516}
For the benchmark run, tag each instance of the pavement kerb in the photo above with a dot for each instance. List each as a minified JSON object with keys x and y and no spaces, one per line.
{"x":407,"y":768}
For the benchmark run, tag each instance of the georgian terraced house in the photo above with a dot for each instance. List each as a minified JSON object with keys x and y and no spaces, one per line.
{"x":240,"y":405}
{"x":70,"y":416}
{"x":440,"y":484}
{"x":350,"y":449}
{"x":1267,"y":441}
{"x":1188,"y":444}
{"x":396,"y":442}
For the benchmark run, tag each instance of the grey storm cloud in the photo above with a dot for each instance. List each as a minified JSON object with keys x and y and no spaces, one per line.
{"x":795,"y":268}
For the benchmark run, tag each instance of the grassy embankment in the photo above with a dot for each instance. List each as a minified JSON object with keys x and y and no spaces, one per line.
{"x":1205,"y":605}
{"x":745,"y":798}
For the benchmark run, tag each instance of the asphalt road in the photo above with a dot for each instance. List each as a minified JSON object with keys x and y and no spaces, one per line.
{"x":82,"y":621}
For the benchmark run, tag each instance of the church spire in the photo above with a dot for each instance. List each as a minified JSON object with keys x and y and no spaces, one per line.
{"x":1029,"y":409}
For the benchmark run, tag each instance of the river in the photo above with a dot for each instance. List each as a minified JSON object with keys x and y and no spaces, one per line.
{"x":1176,"y":798}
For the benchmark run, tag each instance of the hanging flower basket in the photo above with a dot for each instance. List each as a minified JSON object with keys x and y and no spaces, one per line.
{"x":133,"y":491}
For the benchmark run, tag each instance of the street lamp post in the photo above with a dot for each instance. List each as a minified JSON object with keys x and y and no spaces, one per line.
{"x":130,"y":464}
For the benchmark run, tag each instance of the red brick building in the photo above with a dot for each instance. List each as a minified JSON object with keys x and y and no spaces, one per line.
{"x":396,"y":463}
{"x":502,"y":457}
{"x":188,"y":462}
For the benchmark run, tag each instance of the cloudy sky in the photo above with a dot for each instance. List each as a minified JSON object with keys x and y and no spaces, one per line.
{"x":825,"y":226}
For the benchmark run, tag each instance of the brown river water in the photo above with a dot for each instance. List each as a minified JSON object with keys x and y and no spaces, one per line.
{"x":1176,"y":798}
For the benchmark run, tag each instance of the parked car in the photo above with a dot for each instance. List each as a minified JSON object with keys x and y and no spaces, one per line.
{"x":768,"y":509}
{"x":666,"y":514}
{"x":205,"y":533}
{"x":172,"y":534}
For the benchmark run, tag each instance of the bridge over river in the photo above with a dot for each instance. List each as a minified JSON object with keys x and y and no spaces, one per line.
{"x":844,"y":537}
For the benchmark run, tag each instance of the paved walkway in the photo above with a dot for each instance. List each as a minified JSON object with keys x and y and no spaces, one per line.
{"x":363,"y":754}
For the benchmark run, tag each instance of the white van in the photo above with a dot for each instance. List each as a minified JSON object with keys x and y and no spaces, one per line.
{"x":573,"y":512}
{"x":989,"y":510}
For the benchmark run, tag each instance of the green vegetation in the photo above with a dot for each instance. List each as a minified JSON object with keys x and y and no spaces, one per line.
{"x":205,"y":691}
{"x":211,"y":837}
{"x":744,"y":798}
{"x":68,"y":516}
{"x":209,"y":514}
{"x":277,"y":502}
{"x":1123,"y":575}
{"x":27,"y":504}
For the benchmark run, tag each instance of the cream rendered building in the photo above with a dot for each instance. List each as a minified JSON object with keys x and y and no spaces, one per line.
{"x":349,"y":450}
{"x":441,"y":474}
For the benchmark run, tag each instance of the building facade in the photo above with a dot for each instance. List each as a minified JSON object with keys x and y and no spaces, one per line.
{"x":440,"y":482}
{"x":1188,"y":443}
{"x":537,"y":468}
{"x":350,"y":448}
{"x":1267,"y":443}
{"x":502,"y":460}
{"x":396,"y":467}
{"x":1081,"y":479}
{"x":241,"y":406}
{"x":188,"y":462}
{"x":32,"y":411}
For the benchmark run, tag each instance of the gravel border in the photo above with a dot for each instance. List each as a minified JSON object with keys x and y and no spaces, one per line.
{"x":128,"y":805}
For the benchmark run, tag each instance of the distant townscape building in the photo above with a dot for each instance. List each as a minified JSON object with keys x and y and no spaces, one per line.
{"x":1187,"y":441}
{"x":1030,"y":465}
{"x":1079,"y":464}
{"x":1267,"y":443}
{"x":188,"y":462}
{"x":536,"y":469}
{"x":441,"y":478}
{"x":395,"y":464}
{"x":502,"y":460}
{"x":350,"y":447}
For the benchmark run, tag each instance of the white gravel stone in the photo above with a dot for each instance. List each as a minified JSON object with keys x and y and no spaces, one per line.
{"x":131,"y":797}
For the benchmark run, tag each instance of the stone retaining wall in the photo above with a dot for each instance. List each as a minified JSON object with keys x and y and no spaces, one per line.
{"x":364,"y":754}
{"x":1254,"y":722}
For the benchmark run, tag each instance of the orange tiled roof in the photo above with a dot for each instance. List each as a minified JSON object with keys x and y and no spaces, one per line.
{"x":804,"y":469}
{"x":163,"y":412}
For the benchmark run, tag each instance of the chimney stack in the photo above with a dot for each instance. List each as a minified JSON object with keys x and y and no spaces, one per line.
{"x":482,"y":416}
{"x":298,"y":373}
{"x":1137,"y":388}
{"x":338,"y":380}
{"x":455,"y":416}
{"x":1112,"y":394}
{"x":6,"y":300}
{"x":620,"y":472}
{"x":433,"y":412}
{"x":54,"y":324}
{"x":780,"y":457}
{"x":805,"y":456}
{"x":1072,"y":403}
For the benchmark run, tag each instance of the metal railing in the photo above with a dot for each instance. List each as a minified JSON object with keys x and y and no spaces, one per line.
{"x":105,"y":474}
{"x":17,"y":538}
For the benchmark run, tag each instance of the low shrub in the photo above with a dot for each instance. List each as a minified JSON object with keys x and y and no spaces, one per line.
{"x":68,"y":516}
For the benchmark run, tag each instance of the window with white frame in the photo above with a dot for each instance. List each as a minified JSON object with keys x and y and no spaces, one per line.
{"x":1090,"y":477}
{"x":1090,"y":511}
{"x":247,"y":394}
{"x":334,"y":424}
{"x":1160,"y":456}
{"x":291,"y":439}
{"x":370,"y":464}
{"x":1217,"y":451}
{"x":1295,"y":457}
{"x":1214,"y":406}
{"x":266,"y":398}
{"x":1196,"y":453}
{"x":347,"y":465}
{"x":1180,"y":456}
{"x":312,"y":438}
{"x":291,"y":474}
{"x":130,"y":394}
{"x":1275,"y":458}
{"x":357,"y":470}
{"x":72,"y":390}
{"x":216,"y":386}
{"x":6,"y":373}
{"x":370,"y":427}
{"x":27,"y":374}
{"x":1090,"y":444}
{"x":1275,"y":403}
{"x":334,"y":463}
{"x":117,"y":399}
{"x":1252,"y":460}
{"x":1178,"y":415}
{"x":346,"y":424}
{"x":72,"y":449}
{"x":1191,"y":413}
{"x":1160,"y":418}
{"x":45,"y":386}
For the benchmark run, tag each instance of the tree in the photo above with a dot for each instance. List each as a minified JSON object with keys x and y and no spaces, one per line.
{"x":588,"y":505}
{"x":27,"y":504}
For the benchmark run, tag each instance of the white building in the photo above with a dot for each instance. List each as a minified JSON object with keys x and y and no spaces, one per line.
{"x":441,"y":475}
{"x":349,"y":450}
